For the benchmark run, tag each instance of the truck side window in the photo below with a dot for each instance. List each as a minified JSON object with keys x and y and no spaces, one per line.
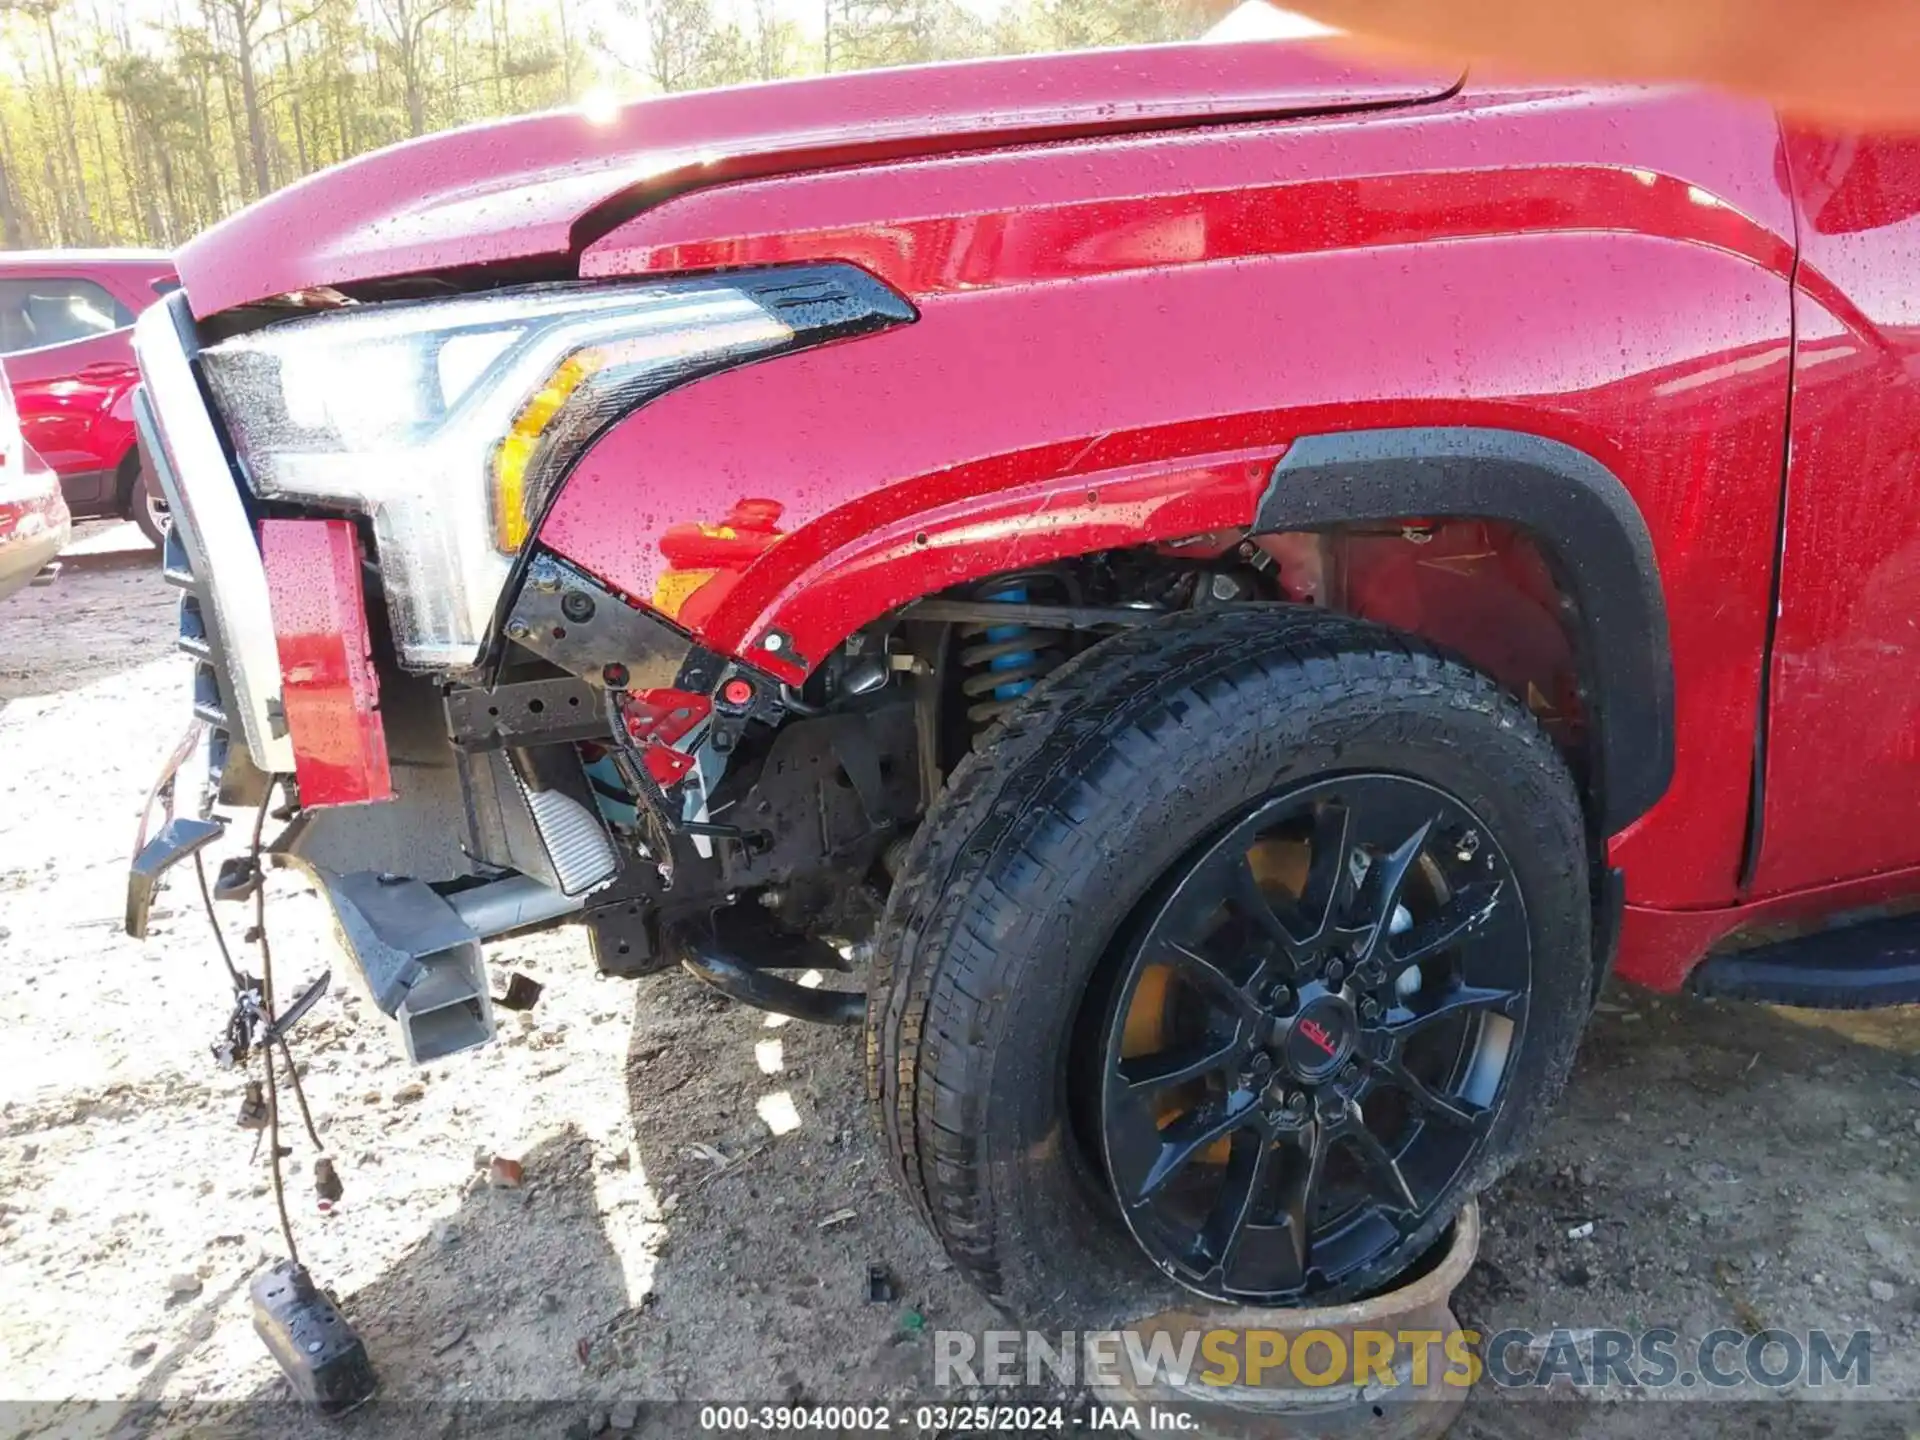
{"x":55,"y":311}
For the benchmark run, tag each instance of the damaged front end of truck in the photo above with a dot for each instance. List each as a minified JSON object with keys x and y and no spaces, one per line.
{"x":472,"y":736}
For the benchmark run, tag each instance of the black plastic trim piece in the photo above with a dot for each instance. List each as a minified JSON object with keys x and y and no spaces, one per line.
{"x":1857,"y":967}
{"x":1589,"y":530}
{"x":825,"y":302}
{"x":179,"y":838}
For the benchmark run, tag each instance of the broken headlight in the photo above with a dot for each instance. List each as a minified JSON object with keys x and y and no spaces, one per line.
{"x":449,"y":422}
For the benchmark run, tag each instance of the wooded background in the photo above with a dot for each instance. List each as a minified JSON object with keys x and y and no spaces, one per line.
{"x":142,"y":124}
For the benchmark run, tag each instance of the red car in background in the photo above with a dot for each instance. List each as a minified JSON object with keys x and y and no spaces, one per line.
{"x":66,"y":343}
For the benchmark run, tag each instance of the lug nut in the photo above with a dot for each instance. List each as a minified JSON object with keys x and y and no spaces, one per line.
{"x":1280,"y":995}
{"x":1349,"y":1073}
{"x":1369,"y":1010}
{"x":1336,"y":972}
{"x":1261,"y":1062}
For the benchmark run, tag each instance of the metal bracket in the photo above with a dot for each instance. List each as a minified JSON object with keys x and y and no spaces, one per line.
{"x":531,"y":711}
{"x":565,"y":615}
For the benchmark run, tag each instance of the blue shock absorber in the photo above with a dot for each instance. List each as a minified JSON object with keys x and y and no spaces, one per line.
{"x":1003,"y":662}
{"x":1011,"y":660}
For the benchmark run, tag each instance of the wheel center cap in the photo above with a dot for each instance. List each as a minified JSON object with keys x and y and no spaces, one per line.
{"x":1318,"y":1039}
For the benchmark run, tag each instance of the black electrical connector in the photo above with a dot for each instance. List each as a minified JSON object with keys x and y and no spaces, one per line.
{"x":323,"y":1359}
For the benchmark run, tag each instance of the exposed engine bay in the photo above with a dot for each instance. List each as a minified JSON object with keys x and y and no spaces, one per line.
{"x":691,"y":809}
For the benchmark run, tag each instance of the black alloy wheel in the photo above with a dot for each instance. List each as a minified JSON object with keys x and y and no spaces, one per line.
{"x":1310,"y":1035}
{"x":1250,"y":945}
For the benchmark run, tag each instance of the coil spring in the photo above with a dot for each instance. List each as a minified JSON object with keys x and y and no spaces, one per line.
{"x":1006,"y":661}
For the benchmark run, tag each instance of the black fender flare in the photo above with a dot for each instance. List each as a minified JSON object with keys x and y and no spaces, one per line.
{"x":1588,"y":529}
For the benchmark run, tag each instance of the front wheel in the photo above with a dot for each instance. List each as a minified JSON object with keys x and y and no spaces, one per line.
{"x":1249,"y":948}
{"x":147,"y":507}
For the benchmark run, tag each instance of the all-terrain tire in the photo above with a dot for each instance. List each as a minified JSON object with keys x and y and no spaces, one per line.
{"x":1026,"y":870}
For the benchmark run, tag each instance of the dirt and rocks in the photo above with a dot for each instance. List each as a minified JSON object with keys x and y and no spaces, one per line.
{"x":644,"y":1193}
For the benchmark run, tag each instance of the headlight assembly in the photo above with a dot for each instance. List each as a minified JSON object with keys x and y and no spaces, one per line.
{"x":449,"y":422}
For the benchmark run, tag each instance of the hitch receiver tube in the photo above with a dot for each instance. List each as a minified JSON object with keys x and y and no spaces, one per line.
{"x":421,"y":961}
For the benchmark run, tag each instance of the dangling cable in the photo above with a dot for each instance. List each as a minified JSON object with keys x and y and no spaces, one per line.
{"x":274,"y":1157}
{"x":219,"y":935}
{"x":260,"y":1025}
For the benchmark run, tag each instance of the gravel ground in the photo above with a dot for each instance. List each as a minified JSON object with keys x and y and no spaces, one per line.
{"x":703,"y":1193}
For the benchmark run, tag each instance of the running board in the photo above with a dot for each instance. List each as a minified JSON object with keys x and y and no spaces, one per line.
{"x":1856,"y":967}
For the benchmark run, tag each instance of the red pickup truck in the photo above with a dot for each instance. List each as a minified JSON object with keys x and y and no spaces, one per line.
{"x":1235,"y":586}
{"x":66,"y":344}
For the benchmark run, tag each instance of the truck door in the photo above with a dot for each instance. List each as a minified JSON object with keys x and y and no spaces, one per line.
{"x":1842,"y":759}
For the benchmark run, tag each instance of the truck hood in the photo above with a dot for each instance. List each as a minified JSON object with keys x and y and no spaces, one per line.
{"x":535,"y":191}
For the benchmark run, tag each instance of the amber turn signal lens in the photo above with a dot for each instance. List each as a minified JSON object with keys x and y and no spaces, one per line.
{"x":513,"y":458}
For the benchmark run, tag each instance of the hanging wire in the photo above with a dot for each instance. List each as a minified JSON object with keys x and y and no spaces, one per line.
{"x":219,"y":935}
{"x":278,"y":1043}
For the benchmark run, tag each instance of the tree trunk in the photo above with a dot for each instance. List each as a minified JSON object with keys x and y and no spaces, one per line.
{"x":494,"y":9}
{"x":250,"y":96}
{"x":137,"y":156}
{"x":343,"y":88}
{"x":410,"y":74}
{"x":236,"y":135}
{"x":83,"y":215}
{"x":16,"y":226}
{"x":64,"y":224}
{"x":106,"y":175}
{"x":293,"y":92}
{"x":209,"y":165}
